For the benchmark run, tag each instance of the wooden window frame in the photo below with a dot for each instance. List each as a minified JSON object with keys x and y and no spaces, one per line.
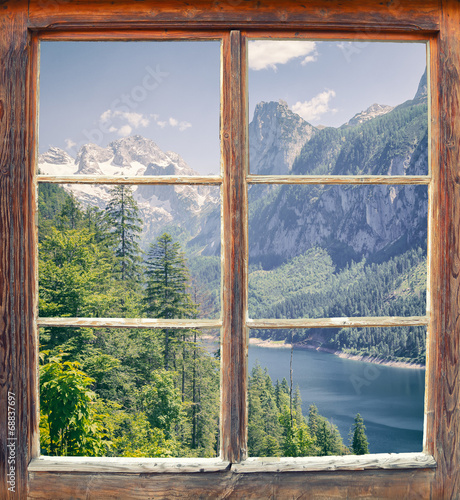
{"x":432,"y":474}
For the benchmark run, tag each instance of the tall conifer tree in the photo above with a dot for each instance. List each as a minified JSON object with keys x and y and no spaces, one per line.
{"x":167,"y":295}
{"x":123,"y":216}
{"x":359,"y":444}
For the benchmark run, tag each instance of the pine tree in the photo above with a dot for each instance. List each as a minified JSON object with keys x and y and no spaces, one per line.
{"x":123,"y":216}
{"x":167,"y":294}
{"x":359,"y":444}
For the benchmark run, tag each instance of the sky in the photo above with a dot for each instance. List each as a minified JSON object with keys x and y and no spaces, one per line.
{"x":169,"y":91}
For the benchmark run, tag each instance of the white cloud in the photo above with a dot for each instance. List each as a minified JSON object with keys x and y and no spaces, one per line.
{"x":69,"y":144}
{"x":105,"y":116}
{"x":312,"y":110}
{"x":184,"y":126}
{"x":125,"y":130}
{"x":268,"y":53}
{"x":173,"y":122}
{"x":135,"y":120}
{"x":162,"y":124}
{"x":113,"y":129}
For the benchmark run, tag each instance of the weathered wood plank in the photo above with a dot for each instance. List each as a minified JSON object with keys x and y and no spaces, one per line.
{"x":357,"y":15}
{"x":131,"y":323}
{"x":31,"y":246}
{"x":339,"y":322}
{"x":338,"y":179}
{"x":127,"y":465}
{"x":445,"y":363}
{"x":248,"y":466}
{"x":17,"y":356}
{"x":234,"y":194}
{"x":120,"y":179}
{"x":390,"y":484}
{"x":347,"y":462}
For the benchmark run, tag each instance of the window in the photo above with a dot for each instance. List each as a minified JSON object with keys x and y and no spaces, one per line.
{"x":66,"y":21}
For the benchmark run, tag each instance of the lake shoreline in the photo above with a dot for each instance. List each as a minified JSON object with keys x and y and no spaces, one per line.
{"x":356,"y":357}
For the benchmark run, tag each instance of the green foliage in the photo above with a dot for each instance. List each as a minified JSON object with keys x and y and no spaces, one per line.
{"x":396,"y":287}
{"x":126,"y":225}
{"x":167,"y":281}
{"x":119,"y":399}
{"x":161,"y":401}
{"x":73,"y":426}
{"x":275,"y":430}
{"x":167,"y":293}
{"x":359,"y":443}
{"x":365,"y":149}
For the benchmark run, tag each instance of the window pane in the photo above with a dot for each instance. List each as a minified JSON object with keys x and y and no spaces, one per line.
{"x":129,"y":251}
{"x":332,"y":251}
{"x":337,"y":108}
{"x":129,"y":392}
{"x":333,"y":381}
{"x":129,"y":108}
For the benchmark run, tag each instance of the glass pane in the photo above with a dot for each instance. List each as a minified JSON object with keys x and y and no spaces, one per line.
{"x":378,"y":373}
{"x":129,"y":251}
{"x":129,"y":108}
{"x":332,"y":251}
{"x":337,"y":108}
{"x":129,"y":392}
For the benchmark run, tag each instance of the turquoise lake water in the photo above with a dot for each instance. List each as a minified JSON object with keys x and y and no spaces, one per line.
{"x":389,"y":399}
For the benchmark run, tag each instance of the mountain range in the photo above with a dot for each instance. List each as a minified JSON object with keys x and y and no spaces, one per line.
{"x":352,"y":222}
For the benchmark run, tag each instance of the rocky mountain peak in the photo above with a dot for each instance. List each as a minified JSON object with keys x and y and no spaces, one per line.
{"x":136,"y":148}
{"x":276,"y":136}
{"x":89,"y":157}
{"x":370,"y":113}
{"x":55,"y":156}
{"x":422,"y":91}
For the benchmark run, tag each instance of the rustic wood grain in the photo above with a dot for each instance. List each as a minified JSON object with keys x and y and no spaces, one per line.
{"x":347,"y":462}
{"x":127,"y":465}
{"x":363,"y":322}
{"x":17,"y":346}
{"x":354,"y":15}
{"x":354,"y":18}
{"x":248,"y":466}
{"x":234,"y":193}
{"x":31,"y":239}
{"x":338,"y":179}
{"x":120,"y":179}
{"x":131,"y":323}
{"x":445,"y":365}
{"x":375,"y":484}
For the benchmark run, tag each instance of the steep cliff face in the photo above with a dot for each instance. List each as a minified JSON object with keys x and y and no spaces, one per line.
{"x":351,"y":222}
{"x":276,"y":137}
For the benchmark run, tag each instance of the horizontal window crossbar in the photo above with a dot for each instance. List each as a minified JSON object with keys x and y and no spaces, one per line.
{"x":338,"y":179}
{"x":339,"y":322}
{"x":120,"y":179}
{"x":130,"y":323}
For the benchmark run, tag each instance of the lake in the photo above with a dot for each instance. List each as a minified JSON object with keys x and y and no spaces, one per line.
{"x":390,"y":400}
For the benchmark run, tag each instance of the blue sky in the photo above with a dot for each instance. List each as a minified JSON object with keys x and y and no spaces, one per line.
{"x":169,"y":91}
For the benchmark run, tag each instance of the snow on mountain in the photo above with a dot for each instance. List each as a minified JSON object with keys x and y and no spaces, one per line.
{"x":370,"y":113}
{"x":135,"y":156}
{"x":56,"y":162}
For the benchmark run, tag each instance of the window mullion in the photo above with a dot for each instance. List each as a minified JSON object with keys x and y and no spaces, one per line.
{"x":234,"y":209}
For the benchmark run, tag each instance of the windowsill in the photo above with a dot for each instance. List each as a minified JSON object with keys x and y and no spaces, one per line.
{"x":251,"y":465}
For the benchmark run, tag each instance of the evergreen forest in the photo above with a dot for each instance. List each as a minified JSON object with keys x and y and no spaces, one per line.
{"x":149,"y":392}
